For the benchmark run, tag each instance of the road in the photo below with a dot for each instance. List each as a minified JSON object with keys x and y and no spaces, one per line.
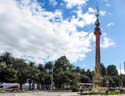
{"x":49,"y":94}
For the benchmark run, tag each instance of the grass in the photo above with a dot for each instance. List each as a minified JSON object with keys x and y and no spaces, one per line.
{"x":110,"y":92}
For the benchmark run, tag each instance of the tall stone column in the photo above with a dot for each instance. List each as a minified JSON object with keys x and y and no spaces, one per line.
{"x":97,"y":80}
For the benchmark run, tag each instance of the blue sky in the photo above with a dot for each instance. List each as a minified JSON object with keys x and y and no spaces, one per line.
{"x":44,"y":30}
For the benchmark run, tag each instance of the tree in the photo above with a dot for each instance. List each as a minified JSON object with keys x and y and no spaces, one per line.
{"x":75,"y":82}
{"x":63,"y":63}
{"x":77,"y":69}
{"x":32,"y":64}
{"x":32,"y":75}
{"x":63,"y":72}
{"x":103,"y":69}
{"x":89,"y":74}
{"x":112,"y":71}
{"x":7,"y":74}
{"x":22,"y":71}
{"x":7,"y":58}
{"x":49,"y":66}
{"x":85,"y":79}
{"x":83,"y":71}
{"x":40,"y":67}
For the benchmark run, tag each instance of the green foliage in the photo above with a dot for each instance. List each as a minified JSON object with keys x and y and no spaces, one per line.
{"x":7,"y":74}
{"x":112,"y":71}
{"x":103,"y":69}
{"x":75,"y":87}
{"x":85,"y":79}
{"x":89,"y":74}
{"x":48,"y":67}
{"x":113,"y":92}
{"x":61,"y":73}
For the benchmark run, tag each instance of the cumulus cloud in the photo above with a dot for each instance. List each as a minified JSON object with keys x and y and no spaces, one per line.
{"x":102,"y":12}
{"x":92,"y":10}
{"x":88,"y":17}
{"x":29,"y":31}
{"x":106,"y":42}
{"x":110,"y":24}
{"x":72,"y":3}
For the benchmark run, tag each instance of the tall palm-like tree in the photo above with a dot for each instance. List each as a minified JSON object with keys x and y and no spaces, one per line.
{"x":49,"y":66}
{"x":22,"y":71}
{"x":7,"y":58}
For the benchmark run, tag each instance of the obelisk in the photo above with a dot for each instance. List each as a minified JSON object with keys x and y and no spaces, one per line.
{"x":97,"y":80}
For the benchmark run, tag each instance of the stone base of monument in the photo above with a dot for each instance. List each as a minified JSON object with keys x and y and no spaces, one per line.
{"x":97,"y":84}
{"x":97,"y":89}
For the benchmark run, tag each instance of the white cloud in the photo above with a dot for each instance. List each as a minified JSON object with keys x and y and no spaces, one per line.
{"x":110,"y":24}
{"x":91,"y":10}
{"x":102,"y":12}
{"x":72,"y":3}
{"x":88,"y":17}
{"x":31,"y":32}
{"x":106,"y":42}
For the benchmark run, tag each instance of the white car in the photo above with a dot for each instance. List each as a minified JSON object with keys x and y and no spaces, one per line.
{"x":9,"y":86}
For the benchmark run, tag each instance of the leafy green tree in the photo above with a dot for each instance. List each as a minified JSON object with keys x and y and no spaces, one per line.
{"x":75,"y":82}
{"x":7,"y":74}
{"x":40,"y":67}
{"x":7,"y":58}
{"x":123,"y":80}
{"x":89,"y":74}
{"x":82,"y":71}
{"x":63,"y":63}
{"x":103,"y":69}
{"x":77,"y":69}
{"x":85,"y":79}
{"x":112,"y":71}
{"x":63,"y":72}
{"x":49,"y":66}
{"x":32,"y":76}
{"x":22,"y":71}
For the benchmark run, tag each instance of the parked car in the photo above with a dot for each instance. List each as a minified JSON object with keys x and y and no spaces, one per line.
{"x":9,"y":86}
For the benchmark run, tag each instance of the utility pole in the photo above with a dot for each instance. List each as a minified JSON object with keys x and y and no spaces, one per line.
{"x":120,"y":68}
{"x":124,"y":66}
{"x":52,"y":79}
{"x":120,"y":78}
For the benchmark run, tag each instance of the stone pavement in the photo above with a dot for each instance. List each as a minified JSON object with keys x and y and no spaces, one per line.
{"x":41,"y":93}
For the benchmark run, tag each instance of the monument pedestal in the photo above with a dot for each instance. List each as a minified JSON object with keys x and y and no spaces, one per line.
{"x":97,"y":82}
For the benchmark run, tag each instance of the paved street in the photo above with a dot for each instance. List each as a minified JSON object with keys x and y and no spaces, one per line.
{"x":40,"y":94}
{"x":48,"y":94}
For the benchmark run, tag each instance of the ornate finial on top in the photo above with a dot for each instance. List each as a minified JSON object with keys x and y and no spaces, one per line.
{"x":97,"y":23}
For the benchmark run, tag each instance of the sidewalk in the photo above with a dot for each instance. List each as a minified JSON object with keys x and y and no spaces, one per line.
{"x":41,"y":93}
